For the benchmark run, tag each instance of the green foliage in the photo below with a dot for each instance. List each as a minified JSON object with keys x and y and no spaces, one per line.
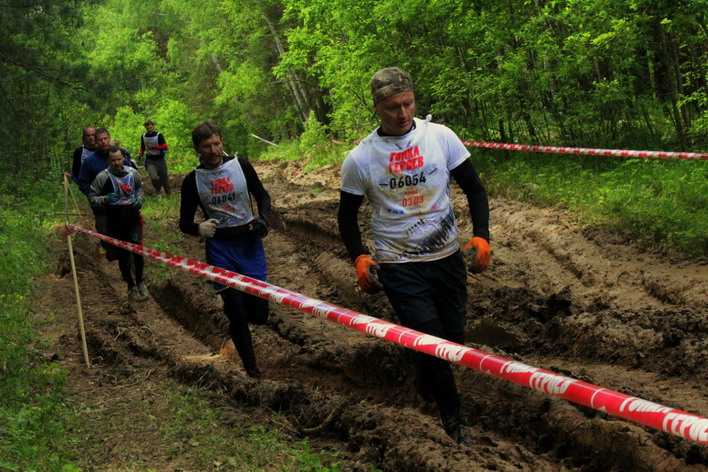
{"x":172,"y":118}
{"x":32,"y":413}
{"x":314,"y":146}
{"x":663,"y":204}
{"x":126,"y":128}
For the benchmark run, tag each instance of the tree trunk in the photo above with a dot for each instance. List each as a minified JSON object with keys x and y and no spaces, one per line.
{"x":293,"y":81}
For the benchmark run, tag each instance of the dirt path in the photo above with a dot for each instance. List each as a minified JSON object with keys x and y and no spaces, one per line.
{"x":581,"y":302}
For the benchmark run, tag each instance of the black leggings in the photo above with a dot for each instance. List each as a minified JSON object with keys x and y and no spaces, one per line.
{"x":127,"y":261}
{"x":435,"y":375}
{"x":241,"y":309}
{"x":431,"y":297}
{"x":124,"y":223}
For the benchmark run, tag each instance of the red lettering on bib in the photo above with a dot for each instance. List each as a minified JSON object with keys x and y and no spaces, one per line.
{"x":408,"y":159}
{"x":221,"y":185}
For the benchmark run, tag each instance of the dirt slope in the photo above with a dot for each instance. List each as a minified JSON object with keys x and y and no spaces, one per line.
{"x":575,"y":300}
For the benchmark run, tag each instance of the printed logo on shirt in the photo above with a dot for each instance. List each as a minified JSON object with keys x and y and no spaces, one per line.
{"x":408,"y":159}
{"x":221,"y":185}
{"x":126,"y":188}
{"x":222,"y":191}
{"x":412,"y":198}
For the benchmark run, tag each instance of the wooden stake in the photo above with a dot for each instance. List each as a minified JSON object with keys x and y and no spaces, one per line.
{"x":73,"y":198}
{"x":82,"y":331}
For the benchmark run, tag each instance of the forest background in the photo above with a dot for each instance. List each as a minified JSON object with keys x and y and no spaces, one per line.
{"x":591,"y":73}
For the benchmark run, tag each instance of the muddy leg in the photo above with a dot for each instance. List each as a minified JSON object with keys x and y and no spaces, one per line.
{"x":138,"y":266}
{"x":435,"y":378}
{"x":238,"y":327}
{"x":152,"y":167}
{"x":413,"y":297}
{"x":124,"y":262}
{"x":256,"y":309}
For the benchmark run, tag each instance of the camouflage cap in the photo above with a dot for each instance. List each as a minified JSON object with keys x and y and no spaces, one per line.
{"x":388,"y":82}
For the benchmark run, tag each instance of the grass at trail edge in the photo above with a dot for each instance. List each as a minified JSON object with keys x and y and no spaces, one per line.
{"x":32,"y":411}
{"x":660,"y":204}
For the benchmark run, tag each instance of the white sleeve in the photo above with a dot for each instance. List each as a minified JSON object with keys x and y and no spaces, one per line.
{"x":352,"y":179}
{"x":456,"y":151}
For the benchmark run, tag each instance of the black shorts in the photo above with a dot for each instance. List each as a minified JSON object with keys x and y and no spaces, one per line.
{"x":423,"y":291}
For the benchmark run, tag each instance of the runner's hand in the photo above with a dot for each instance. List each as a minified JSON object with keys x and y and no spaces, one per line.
{"x":478,"y":248}
{"x":367,"y":274}
{"x":260,"y":227}
{"x":208,"y":228}
{"x":112,"y":198}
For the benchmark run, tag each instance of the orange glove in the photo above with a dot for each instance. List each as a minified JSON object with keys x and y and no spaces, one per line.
{"x":478,"y":248}
{"x":366,"y":274}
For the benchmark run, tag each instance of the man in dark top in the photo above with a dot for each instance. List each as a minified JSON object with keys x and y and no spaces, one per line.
{"x":403,"y":168}
{"x":154,"y":147}
{"x":91,"y":167}
{"x":82,"y":152}
{"x":98,"y":161}
{"x":221,"y":186}
{"x":118,"y":191}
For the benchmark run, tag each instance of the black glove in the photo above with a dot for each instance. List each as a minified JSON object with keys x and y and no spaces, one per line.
{"x":260,"y":227}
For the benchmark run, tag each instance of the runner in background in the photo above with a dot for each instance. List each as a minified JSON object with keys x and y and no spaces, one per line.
{"x":154,"y":147}
{"x":118,"y":192}
{"x":403,"y":168}
{"x":82,"y":152}
{"x":222,"y":186}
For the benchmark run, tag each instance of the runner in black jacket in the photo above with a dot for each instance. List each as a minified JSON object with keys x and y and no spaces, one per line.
{"x":222,"y":187}
{"x":82,"y":152}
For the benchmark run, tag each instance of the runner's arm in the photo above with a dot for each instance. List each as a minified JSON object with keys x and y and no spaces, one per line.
{"x":76,"y":164}
{"x":161,"y":143}
{"x":466,"y":177}
{"x":255,"y":187}
{"x":139,"y":194}
{"x":347,"y":220}
{"x":142,"y":146}
{"x":85,"y":179}
{"x":189,"y":201}
{"x":99,"y":189}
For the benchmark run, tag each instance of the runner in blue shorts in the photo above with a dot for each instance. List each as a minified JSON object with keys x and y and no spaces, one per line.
{"x":222,"y":187}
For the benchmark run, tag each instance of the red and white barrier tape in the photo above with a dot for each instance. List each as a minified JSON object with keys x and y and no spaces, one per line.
{"x":680,"y":423}
{"x":624,"y":153}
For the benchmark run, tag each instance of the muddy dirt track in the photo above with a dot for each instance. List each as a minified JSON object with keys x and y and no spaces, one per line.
{"x":575,"y":300}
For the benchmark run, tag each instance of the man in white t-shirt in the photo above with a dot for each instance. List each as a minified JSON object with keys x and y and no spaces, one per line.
{"x":403,"y":168}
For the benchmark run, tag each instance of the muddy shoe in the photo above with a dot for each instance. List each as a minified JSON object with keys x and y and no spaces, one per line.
{"x":144,"y":294}
{"x":134,"y":294}
{"x":425,"y":391}
{"x":254,"y":372}
{"x":454,"y":428}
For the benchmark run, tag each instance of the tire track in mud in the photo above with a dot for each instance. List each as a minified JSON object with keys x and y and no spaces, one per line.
{"x":634,"y":311}
{"x":357,"y":391}
{"x":535,"y":319}
{"x":548,"y":422}
{"x":124,"y":340}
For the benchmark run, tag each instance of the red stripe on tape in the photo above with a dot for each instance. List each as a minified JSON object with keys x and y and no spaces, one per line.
{"x":624,"y":153}
{"x":663,"y":418}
